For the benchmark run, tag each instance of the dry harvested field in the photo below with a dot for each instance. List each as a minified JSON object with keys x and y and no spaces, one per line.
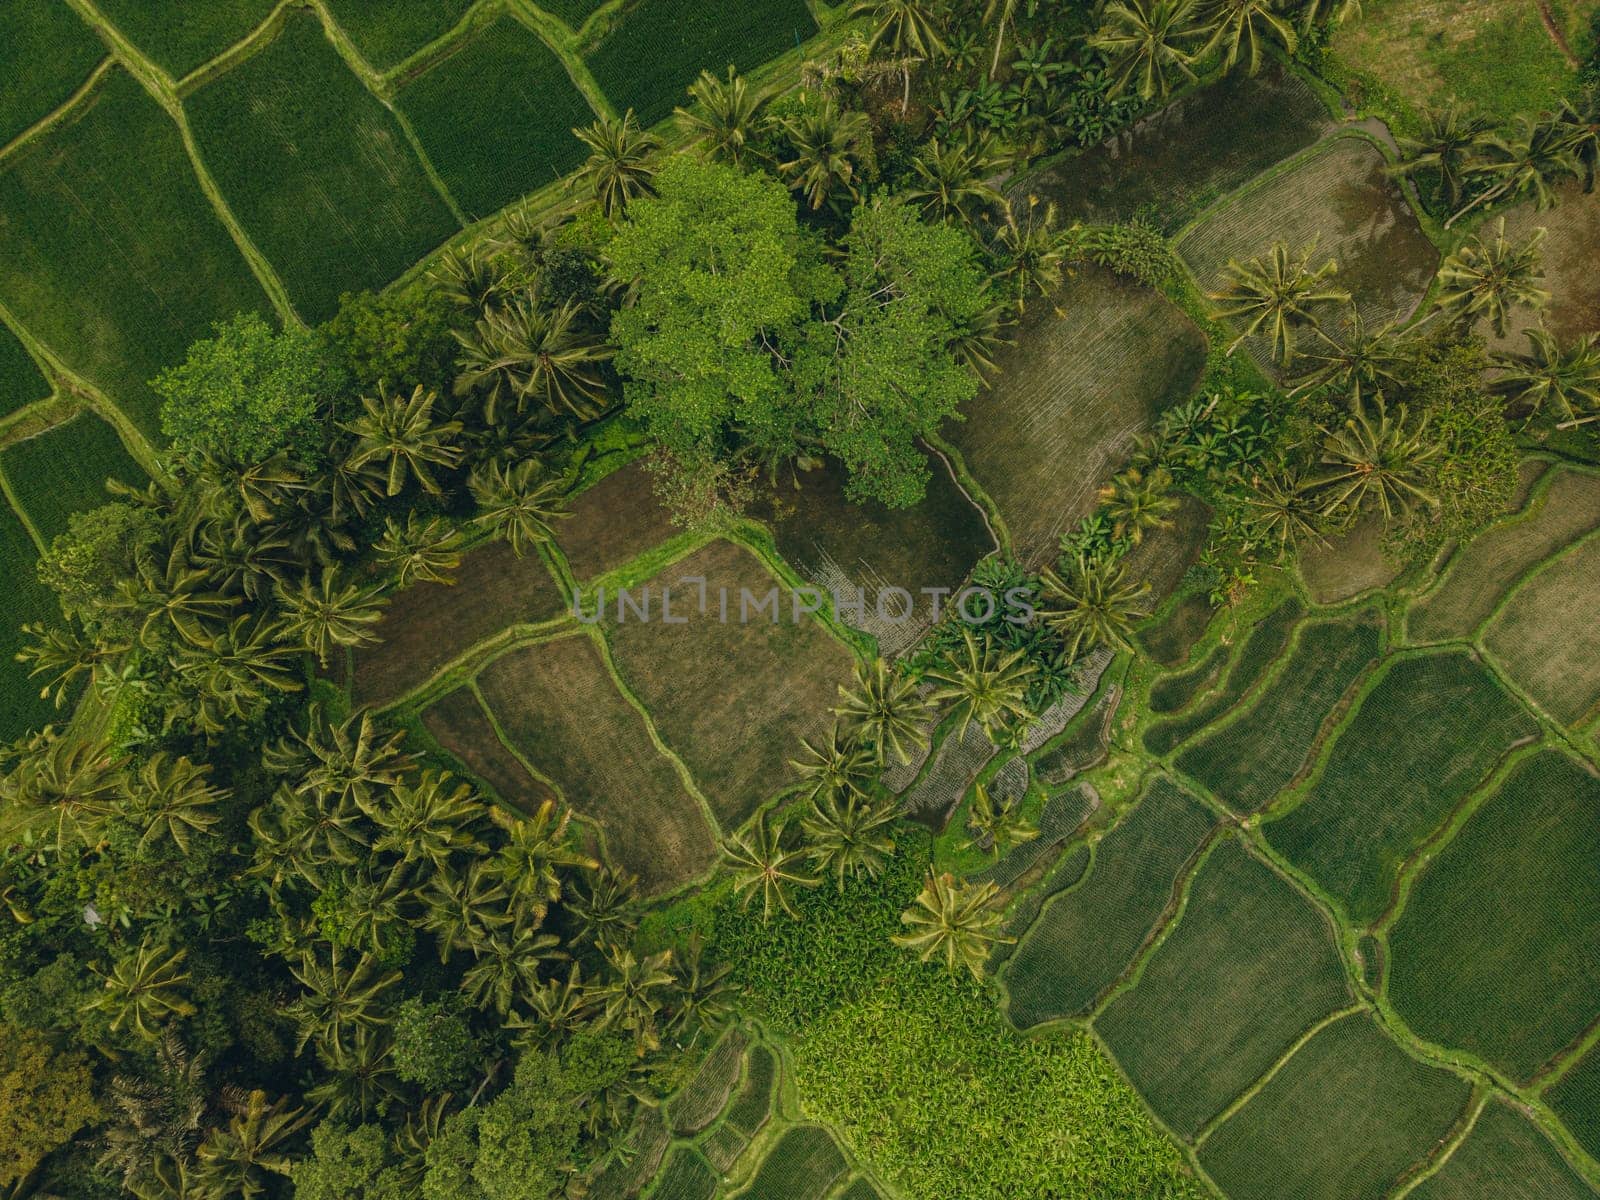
{"x":613,"y":523}
{"x":1546,"y":636}
{"x":461,"y":725}
{"x":1073,"y":392}
{"x":732,"y":698}
{"x":1570,"y":251}
{"x":561,"y":709}
{"x":1348,"y":564}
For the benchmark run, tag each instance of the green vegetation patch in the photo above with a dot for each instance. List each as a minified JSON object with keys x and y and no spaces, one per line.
{"x":804,"y":1164}
{"x":1498,"y":950}
{"x":1060,"y":818}
{"x":1485,"y":568}
{"x":752,"y":1106}
{"x":687,"y":1176}
{"x":1266,"y":641}
{"x":430,"y":625}
{"x":1505,"y":1157}
{"x":496,"y":117}
{"x":22,"y":599}
{"x":732,"y":697}
{"x":389,"y":32}
{"x":1250,"y":967}
{"x":64,"y":470}
{"x":705,"y":1096}
{"x":1169,"y":640}
{"x":1193,"y":151}
{"x":1087,"y":373}
{"x":20,"y":380}
{"x":634,"y":1164}
{"x":1085,"y":938}
{"x":181,"y":35}
{"x":1246,"y":763}
{"x":460,"y":725}
{"x":1342,"y":1120}
{"x":1174,"y":693}
{"x":659,"y":46}
{"x":1547,"y":638}
{"x":1425,"y":736}
{"x":573,"y":12}
{"x":861,"y":1189}
{"x":1576,"y":1100}
{"x":557,"y":703}
{"x":613,"y":523}
{"x":46,"y":52}
{"x":1342,"y":199}
{"x":109,"y":252}
{"x":1348,"y":564}
{"x":317,"y":170}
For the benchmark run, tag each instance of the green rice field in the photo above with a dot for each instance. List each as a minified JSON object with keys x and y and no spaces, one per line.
{"x":181,"y":35}
{"x":20,"y":381}
{"x":64,"y":470}
{"x":46,"y":53}
{"x":1505,"y":1157}
{"x":389,"y":32}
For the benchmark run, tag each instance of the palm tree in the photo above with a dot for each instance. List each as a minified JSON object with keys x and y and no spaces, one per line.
{"x":427,"y":819}
{"x":556,"y":1008}
{"x":1449,"y":142}
{"x":1339,"y":11}
{"x":977,"y":334}
{"x":761,"y":863}
{"x":518,"y":503}
{"x":537,"y":849}
{"x":1033,"y":253}
{"x":340,"y":997}
{"x":1093,"y":603}
{"x":837,"y":766}
{"x":422,"y":550}
{"x":1144,"y":41}
{"x":848,"y":835}
{"x":527,"y":351}
{"x":1487,"y":279}
{"x":618,"y":169}
{"x":1285,"y":510}
{"x":601,"y":905}
{"x":1240,"y":24}
{"x":361,"y":1080}
{"x":298,"y":841}
{"x":329,"y":612}
{"x":1565,"y":382}
{"x":954,"y":921}
{"x":705,"y":995}
{"x":906,"y":27}
{"x":158,"y":1116}
{"x":951,"y":180}
{"x":633,"y":992}
{"x":988,"y":686}
{"x":1000,"y":13}
{"x":402,"y":436}
{"x":66,"y":785}
{"x":1138,"y":500}
{"x":887,"y":709}
{"x":474,"y":280}
{"x":1277,"y":294}
{"x":144,"y":988}
{"x":237,"y":1159}
{"x":1383,"y":462}
{"x":727,"y":116}
{"x":64,"y":655}
{"x":994,"y":827}
{"x":829,"y":144}
{"x":1357,"y":360}
{"x":171,"y":800}
{"x":462,"y":909}
{"x":507,"y":966}
{"x":1579,"y":127}
{"x":354,"y":762}
{"x":1539,"y":157}
{"x":181,"y":599}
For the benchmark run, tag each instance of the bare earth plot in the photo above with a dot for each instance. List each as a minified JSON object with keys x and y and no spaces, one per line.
{"x":1427,"y":734}
{"x":1546,"y":636}
{"x":1085,"y":377}
{"x":559,"y":706}
{"x":1348,"y":564}
{"x":1250,"y":968}
{"x":613,"y":523}
{"x":46,"y":53}
{"x":841,"y":547}
{"x":1196,"y":149}
{"x":732,"y":698}
{"x":1340,"y":198}
{"x":429,"y":625}
{"x":1505,"y":1157}
{"x":460,"y":724}
{"x":1498,"y":949}
{"x":1169,"y":639}
{"x":1165,"y":554}
{"x":1570,"y":250}
{"x":317,"y":170}
{"x":1563,"y":507}
{"x":110,"y":254}
{"x":1341,"y":1120}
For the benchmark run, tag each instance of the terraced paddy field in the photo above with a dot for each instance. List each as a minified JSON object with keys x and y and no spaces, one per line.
{"x":1544,"y":638}
{"x":64,"y":470}
{"x":1348,"y":565}
{"x":21,"y":383}
{"x":612,"y":523}
{"x":1505,"y":1157}
{"x":46,"y":54}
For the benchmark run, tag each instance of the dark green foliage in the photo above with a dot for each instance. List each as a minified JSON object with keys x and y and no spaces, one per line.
{"x":22,"y":599}
{"x":1250,"y":967}
{"x":803,"y":1165}
{"x":389,"y":32}
{"x":514,"y":135}
{"x":110,"y":253}
{"x":434,"y":1046}
{"x":687,"y":1176}
{"x":661,"y":45}
{"x":390,"y":342}
{"x":1266,"y":641}
{"x":350,"y":1164}
{"x":46,"y":52}
{"x":317,"y":170}
{"x":1245,"y":764}
{"x":1085,"y":938}
{"x":1342,"y":1119}
{"x":573,"y":12}
{"x":64,"y":471}
{"x":1425,"y":736}
{"x":180,"y":35}
{"x":1505,"y":1157}
{"x":1521,"y":867}
{"x":45,"y":1098}
{"x":1173,"y":693}
{"x":20,"y":380}
{"x":100,"y":547}
{"x":1576,"y":1100}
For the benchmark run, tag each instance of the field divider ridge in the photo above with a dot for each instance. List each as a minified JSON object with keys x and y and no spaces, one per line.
{"x":567,"y":47}
{"x":1434,"y":1162}
{"x":22,"y":514}
{"x":247,"y":47}
{"x":475,"y":658}
{"x":60,"y":113}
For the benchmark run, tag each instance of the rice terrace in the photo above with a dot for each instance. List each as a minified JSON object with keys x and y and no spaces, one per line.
{"x":800,"y":599}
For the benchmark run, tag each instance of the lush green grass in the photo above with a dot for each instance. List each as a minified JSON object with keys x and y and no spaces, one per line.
{"x":1266,"y":641}
{"x":687,"y":1176}
{"x":1250,"y":967}
{"x":1505,"y":1157}
{"x":20,"y":381}
{"x":1174,"y":693}
{"x":1343,"y":1119}
{"x":1193,"y":151}
{"x":752,"y":1104}
{"x":109,"y":252}
{"x":1086,"y":937}
{"x":317,"y":170}
{"x":396,"y":29}
{"x":46,"y":53}
{"x":804,"y":1164}
{"x":1425,"y":736}
{"x":658,"y":48}
{"x":1548,"y":640}
{"x":1247,"y":763}
{"x":22,"y":599}
{"x":180,"y":35}
{"x":514,"y":134}
{"x":64,"y":470}
{"x":701,"y":1102}
{"x":1498,"y":950}
{"x":1576,"y":1100}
